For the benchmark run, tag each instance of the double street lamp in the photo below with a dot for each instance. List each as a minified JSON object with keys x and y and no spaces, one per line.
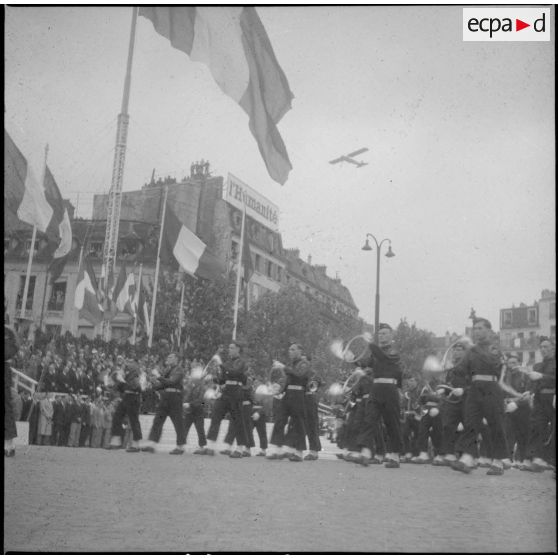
{"x":388,"y":254}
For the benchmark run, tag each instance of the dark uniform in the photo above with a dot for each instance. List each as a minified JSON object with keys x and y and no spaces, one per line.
{"x":246,"y":412}
{"x":170,"y":387}
{"x":383,"y":402}
{"x":291,"y":406}
{"x":484,"y":400}
{"x":232,"y":378}
{"x":452,"y":410}
{"x":312,"y":421}
{"x":129,"y":406}
{"x":194,"y":412}
{"x":430,"y":425}
{"x":517,"y":420}
{"x":411,"y":415}
{"x":368,"y":434}
{"x":10,"y":350}
{"x":543,"y":415}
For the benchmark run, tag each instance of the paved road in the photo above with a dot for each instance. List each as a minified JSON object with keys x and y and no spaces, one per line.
{"x":80,"y":499}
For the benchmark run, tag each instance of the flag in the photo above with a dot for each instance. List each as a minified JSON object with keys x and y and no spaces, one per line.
{"x":59,"y":230}
{"x":140,"y":306}
{"x":182,"y":244}
{"x":124,"y":290}
{"x":246,"y":258}
{"x":233,"y":43}
{"x":24,"y":197}
{"x":85,"y":299}
{"x":105,"y":292}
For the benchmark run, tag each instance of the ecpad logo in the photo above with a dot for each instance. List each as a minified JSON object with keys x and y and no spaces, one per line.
{"x":506,"y":24}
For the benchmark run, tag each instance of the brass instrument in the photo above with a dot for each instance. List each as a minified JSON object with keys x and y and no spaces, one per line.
{"x":346,"y":352}
{"x":352,"y":380}
{"x":313,"y":386}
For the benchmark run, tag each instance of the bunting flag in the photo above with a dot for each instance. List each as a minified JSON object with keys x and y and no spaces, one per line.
{"x":85,"y":299}
{"x":190,"y":252}
{"x":124,"y":290}
{"x":140,"y":306}
{"x":233,"y":43}
{"x":105,"y":294}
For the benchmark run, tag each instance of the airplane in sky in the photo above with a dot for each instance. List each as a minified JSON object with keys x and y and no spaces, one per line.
{"x":349,"y":158}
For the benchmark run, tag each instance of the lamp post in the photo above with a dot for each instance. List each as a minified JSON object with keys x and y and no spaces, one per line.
{"x":389,"y":254}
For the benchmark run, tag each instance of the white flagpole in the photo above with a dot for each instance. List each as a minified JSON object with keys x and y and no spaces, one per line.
{"x":32,"y":248}
{"x":237,"y":293}
{"x":136,"y":296}
{"x":152,"y":318}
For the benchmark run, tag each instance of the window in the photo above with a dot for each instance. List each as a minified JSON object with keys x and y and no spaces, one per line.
{"x":30,"y":292}
{"x":234,"y":250}
{"x":507,"y":318}
{"x":279,"y":274}
{"x":532,"y":315}
{"x":531,"y":357}
{"x":57,"y":297}
{"x":28,"y":246}
{"x":96,"y":249}
{"x":258,"y":265}
{"x":270,"y":269}
{"x":552,"y":310}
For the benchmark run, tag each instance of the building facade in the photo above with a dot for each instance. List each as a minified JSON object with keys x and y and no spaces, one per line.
{"x":209,"y":206}
{"x":522,"y":326}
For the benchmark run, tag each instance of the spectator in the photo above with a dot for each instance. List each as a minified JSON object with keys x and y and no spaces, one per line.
{"x":45,"y":420}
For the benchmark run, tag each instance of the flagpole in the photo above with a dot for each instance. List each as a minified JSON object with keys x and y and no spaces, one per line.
{"x":32,"y":248}
{"x":137,"y":307}
{"x":180,"y":312}
{"x":152,"y":322}
{"x":237,"y":292}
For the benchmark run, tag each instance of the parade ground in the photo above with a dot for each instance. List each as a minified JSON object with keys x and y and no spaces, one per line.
{"x":60,"y":499}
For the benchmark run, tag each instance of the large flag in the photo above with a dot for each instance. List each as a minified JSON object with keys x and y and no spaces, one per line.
{"x":85,"y":299}
{"x":24,"y":196}
{"x":105,"y":293}
{"x":246,"y":257}
{"x":182,"y":244}
{"x":233,"y":43}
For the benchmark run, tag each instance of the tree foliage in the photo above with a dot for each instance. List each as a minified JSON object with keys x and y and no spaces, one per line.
{"x":414,"y":345}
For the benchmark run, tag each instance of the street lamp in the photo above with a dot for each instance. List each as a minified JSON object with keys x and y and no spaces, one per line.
{"x":389,"y":254}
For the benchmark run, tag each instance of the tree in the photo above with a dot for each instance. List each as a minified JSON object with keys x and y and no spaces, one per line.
{"x":413,"y":345}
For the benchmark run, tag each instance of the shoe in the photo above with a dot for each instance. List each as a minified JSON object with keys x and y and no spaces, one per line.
{"x":235,"y":454}
{"x":285,"y":455}
{"x":208,"y":451}
{"x":350,"y":458}
{"x":246,"y":454}
{"x":148,"y":449}
{"x":460,"y":466}
{"x":132,"y":449}
{"x":534,"y":468}
{"x":225,"y":452}
{"x":495,"y":470}
{"x":199,"y":451}
{"x":340,"y":455}
{"x":439,"y":463}
{"x":176,"y":451}
{"x":362,"y":460}
{"x":374,"y":461}
{"x":506,"y":465}
{"x":294,"y":457}
{"x":115,"y":447}
{"x":310,"y":457}
{"x":261,"y":454}
{"x":484,"y":465}
{"x":391,"y":464}
{"x":273,"y":456}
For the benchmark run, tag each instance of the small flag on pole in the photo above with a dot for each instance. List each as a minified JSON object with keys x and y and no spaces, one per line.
{"x":233,"y":43}
{"x":85,"y":299}
{"x":190,"y":252}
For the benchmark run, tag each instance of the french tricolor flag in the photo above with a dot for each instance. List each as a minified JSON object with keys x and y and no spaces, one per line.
{"x":190,"y":252}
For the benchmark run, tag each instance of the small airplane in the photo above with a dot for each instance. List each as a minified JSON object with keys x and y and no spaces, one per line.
{"x":349,"y":158}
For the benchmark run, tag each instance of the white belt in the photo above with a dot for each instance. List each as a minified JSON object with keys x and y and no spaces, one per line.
{"x":247,"y":402}
{"x":547,"y":390}
{"x":366,"y":396}
{"x":295,"y":387}
{"x":233,"y":383}
{"x":483,"y":378}
{"x":358,"y":399}
{"x":174,"y":390}
{"x":385,"y":381}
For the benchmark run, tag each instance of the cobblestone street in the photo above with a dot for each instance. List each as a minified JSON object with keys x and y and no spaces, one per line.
{"x":80,"y":500}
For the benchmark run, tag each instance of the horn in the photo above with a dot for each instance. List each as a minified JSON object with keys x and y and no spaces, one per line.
{"x":313,"y":386}
{"x":345,"y":353}
{"x":352,"y":380}
{"x":463,"y":339}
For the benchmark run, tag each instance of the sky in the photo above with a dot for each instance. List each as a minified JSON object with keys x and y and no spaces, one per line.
{"x":461,"y":139}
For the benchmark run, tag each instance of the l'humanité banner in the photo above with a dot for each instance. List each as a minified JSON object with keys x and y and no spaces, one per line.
{"x":239,"y":194}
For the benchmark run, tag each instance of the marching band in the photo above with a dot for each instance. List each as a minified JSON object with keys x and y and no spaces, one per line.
{"x":474,"y":408}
